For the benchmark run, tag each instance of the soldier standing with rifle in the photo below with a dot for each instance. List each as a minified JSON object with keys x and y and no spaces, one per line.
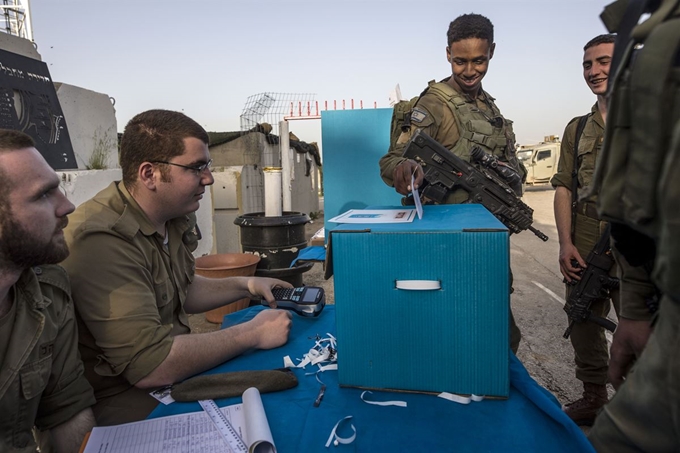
{"x":579,"y":228}
{"x":458,"y":114}
{"x":638,"y":179}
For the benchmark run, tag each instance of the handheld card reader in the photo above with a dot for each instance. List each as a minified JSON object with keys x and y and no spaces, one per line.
{"x":305,"y":300}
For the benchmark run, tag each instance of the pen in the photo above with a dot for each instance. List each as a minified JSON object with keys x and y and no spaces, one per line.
{"x":319,"y":397}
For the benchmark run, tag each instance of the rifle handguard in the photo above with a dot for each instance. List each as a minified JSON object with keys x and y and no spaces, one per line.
{"x":510,"y":176}
{"x":444,"y":171}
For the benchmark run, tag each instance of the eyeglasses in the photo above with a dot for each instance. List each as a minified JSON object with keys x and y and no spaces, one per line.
{"x":198,"y":169}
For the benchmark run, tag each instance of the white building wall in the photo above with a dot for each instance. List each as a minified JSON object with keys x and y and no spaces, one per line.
{"x":91,"y":121}
{"x":304,"y":190}
{"x":237,"y":190}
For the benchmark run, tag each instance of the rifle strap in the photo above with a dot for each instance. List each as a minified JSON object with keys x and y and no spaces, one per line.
{"x":574,"y":174}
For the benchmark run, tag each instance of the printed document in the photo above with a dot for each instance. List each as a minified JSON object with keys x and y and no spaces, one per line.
{"x":375,"y":216}
{"x":187,"y":433}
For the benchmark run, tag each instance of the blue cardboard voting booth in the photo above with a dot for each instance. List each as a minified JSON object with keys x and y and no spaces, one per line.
{"x":353,"y":143}
{"x":395,"y":334}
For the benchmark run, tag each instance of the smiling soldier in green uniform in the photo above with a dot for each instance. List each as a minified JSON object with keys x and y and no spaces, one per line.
{"x":579,"y":228}
{"x":459,"y":114}
{"x":132,"y":273}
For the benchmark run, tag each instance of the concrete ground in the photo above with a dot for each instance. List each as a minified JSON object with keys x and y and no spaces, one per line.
{"x":537,"y":300}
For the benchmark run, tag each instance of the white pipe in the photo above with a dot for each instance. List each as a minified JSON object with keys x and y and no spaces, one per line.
{"x":272,"y":191}
{"x":286,"y":165}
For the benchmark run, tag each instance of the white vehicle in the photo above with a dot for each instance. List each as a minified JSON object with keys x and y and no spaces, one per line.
{"x":541,"y":159}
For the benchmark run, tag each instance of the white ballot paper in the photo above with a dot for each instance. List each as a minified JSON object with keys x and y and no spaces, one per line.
{"x":416,"y":196}
{"x":187,"y":433}
{"x":375,"y":216}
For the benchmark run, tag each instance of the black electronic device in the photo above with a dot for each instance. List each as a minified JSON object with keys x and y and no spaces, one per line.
{"x":305,"y":300}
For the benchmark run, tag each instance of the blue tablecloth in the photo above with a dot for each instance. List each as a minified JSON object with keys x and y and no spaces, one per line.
{"x":312,"y":253}
{"x":529,"y":421}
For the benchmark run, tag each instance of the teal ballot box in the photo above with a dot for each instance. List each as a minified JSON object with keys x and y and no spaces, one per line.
{"x":423,"y":305}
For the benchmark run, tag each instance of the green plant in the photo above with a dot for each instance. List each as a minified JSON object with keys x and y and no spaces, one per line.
{"x":99,"y":159}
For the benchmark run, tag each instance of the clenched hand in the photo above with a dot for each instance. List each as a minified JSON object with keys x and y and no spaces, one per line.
{"x":401,"y":176}
{"x":271,"y":328}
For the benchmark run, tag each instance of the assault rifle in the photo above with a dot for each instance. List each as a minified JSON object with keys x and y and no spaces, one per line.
{"x":595,"y":284}
{"x":444,"y":171}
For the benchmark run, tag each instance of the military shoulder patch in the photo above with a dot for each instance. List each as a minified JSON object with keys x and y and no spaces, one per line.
{"x":418,"y":115}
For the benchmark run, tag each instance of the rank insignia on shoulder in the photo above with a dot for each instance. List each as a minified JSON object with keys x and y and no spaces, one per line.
{"x":417,"y":115}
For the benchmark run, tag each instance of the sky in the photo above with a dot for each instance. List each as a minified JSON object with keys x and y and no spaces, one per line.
{"x":206,"y":57}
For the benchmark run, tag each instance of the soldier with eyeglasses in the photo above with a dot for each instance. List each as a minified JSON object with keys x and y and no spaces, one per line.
{"x":133,"y":279}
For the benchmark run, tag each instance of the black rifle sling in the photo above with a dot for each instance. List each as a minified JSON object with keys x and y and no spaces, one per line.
{"x":574,"y":175}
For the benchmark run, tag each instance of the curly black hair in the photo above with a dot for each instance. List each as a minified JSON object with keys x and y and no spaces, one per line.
{"x":470,"y":26}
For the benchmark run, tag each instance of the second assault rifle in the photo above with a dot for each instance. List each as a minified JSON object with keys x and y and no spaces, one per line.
{"x":445,"y":171}
{"x":595,"y":283}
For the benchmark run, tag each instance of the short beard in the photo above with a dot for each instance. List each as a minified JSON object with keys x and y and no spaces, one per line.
{"x":19,"y":248}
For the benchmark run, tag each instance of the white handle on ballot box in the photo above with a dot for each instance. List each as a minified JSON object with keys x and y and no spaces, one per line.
{"x":418,"y":285}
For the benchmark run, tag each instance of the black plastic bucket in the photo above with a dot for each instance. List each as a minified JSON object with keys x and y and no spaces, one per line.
{"x":277,"y":241}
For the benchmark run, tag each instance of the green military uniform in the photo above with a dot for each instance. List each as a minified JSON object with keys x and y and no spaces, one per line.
{"x":458,"y":123}
{"x":41,"y":374}
{"x":639,"y":176}
{"x":588,"y":339}
{"x":129,"y":286}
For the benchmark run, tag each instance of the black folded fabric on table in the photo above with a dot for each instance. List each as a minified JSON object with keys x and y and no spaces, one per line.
{"x":226,"y":385}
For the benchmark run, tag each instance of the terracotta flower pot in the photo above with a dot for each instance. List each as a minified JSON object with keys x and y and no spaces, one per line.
{"x":226,"y":265}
